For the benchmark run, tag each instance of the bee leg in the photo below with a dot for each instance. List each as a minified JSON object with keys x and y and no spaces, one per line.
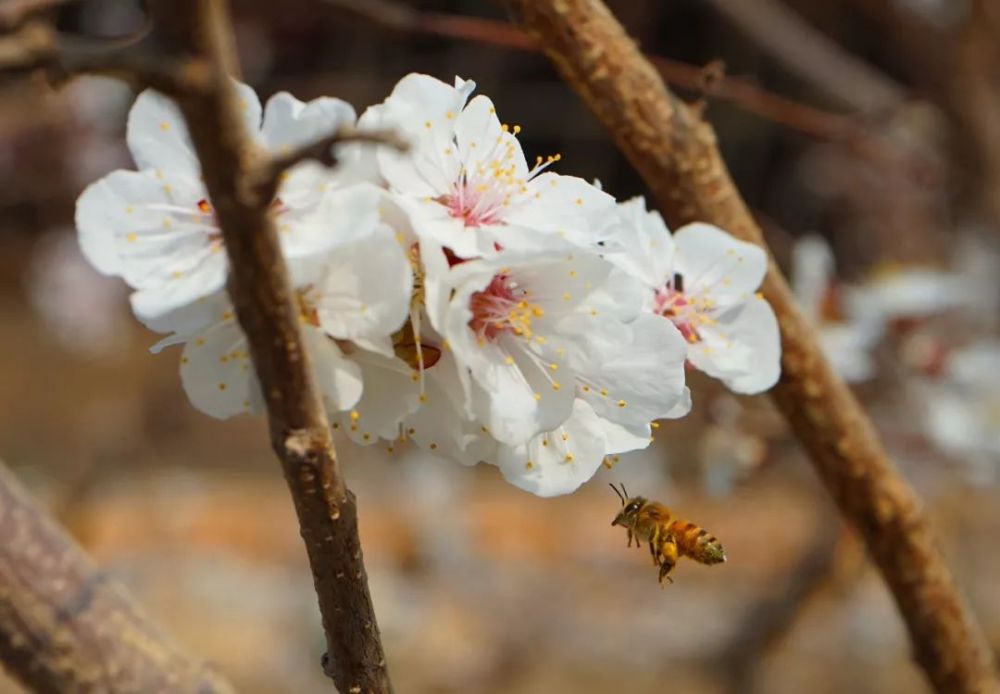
{"x":629,"y":531}
{"x":654,"y":546}
{"x":669,"y":560}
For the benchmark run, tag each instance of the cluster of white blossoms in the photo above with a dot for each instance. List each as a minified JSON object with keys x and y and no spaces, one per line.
{"x":451,"y":296}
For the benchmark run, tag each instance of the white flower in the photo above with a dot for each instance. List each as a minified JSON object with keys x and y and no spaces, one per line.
{"x":156,"y":228}
{"x":907,"y":292}
{"x":531,"y":333}
{"x":350,"y":299}
{"x":847,"y":340}
{"x":704,"y":281}
{"x":466,"y":181}
{"x":962,"y":409}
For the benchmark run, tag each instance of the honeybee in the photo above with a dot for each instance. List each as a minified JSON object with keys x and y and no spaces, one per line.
{"x":668,"y":538}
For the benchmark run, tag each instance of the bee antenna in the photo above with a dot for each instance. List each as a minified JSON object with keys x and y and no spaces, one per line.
{"x":618,"y":493}
{"x":623,"y":490}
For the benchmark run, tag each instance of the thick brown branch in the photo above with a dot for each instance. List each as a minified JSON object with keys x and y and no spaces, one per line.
{"x":265,"y":307}
{"x":675,"y":152}
{"x":67,"y":627}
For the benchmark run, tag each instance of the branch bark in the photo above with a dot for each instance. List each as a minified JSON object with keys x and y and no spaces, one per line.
{"x":232,"y":166}
{"x":66,"y":626}
{"x":675,"y":152}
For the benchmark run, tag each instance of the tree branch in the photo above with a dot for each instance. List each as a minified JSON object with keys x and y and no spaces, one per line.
{"x":395,"y":16}
{"x":264,"y":302}
{"x":269,"y":173}
{"x":36,"y":45}
{"x":66,"y":626}
{"x":675,"y":152}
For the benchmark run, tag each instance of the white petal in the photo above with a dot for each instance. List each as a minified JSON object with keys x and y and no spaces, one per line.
{"x":557,"y":462}
{"x":364,"y":295}
{"x":338,"y":378}
{"x":341,"y":216}
{"x":390,"y":394}
{"x":715,"y":264}
{"x":217,"y":372}
{"x":636,"y":373}
{"x":568,"y":206}
{"x":619,"y":439}
{"x":185,"y":319}
{"x":743,"y":348}
{"x":642,"y":245}
{"x":425,"y":109}
{"x":441,"y":425}
{"x":290,"y":123}
{"x":158,"y":137}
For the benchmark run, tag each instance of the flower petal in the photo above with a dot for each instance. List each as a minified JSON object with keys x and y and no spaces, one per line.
{"x":636,"y":373}
{"x":217,"y":373}
{"x":364,"y":294}
{"x":559,"y":461}
{"x":338,"y":378}
{"x":390,"y":394}
{"x":742,"y":347}
{"x":642,"y":245}
{"x":716,"y":265}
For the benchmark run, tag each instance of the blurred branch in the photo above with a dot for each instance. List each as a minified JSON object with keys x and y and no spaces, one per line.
{"x":66,"y":626}
{"x":675,"y":152}
{"x":772,"y":618}
{"x":36,"y":45}
{"x":807,"y":52}
{"x":396,"y":16}
{"x":14,"y":13}
{"x":264,"y":301}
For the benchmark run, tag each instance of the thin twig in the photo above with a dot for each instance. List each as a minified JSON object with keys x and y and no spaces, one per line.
{"x":66,"y":626}
{"x":776,"y":29}
{"x":322,"y":151}
{"x":675,"y":152}
{"x":264,"y":301}
{"x":809,"y":120}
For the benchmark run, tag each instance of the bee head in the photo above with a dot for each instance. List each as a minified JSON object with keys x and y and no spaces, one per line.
{"x":630,"y":508}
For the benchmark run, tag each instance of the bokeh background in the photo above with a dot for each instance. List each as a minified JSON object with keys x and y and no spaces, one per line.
{"x":865,"y":134}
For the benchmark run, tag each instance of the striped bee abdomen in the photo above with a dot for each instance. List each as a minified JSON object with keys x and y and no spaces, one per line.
{"x":697,"y":543}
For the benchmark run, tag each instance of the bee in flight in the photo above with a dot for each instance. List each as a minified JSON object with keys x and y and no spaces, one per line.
{"x":668,"y":538}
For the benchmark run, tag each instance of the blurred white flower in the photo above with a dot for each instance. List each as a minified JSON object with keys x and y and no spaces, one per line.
{"x":963,"y":409}
{"x":155,"y":227}
{"x":83,"y":311}
{"x":847,"y":340}
{"x":899,"y":292}
{"x":704,"y":281}
{"x":466,"y":181}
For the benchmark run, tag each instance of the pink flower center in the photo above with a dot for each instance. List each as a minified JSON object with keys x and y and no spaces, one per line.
{"x":486,"y":185}
{"x":502,"y":308}
{"x":476,"y":203}
{"x":686,"y":311}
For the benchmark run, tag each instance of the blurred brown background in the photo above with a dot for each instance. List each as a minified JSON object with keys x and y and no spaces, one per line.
{"x":478,"y":586}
